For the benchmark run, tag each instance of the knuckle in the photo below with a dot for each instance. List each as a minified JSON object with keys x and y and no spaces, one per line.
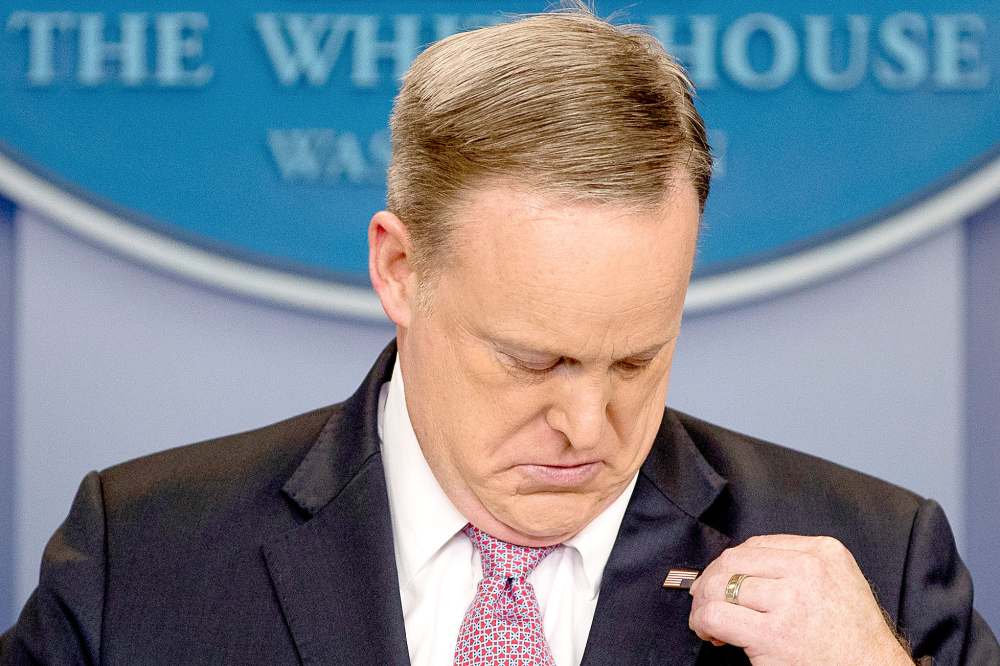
{"x":813,"y":565}
{"x":800,"y":559}
{"x":831,"y":545}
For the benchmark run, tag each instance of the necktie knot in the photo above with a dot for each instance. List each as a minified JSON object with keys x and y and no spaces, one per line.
{"x":505,"y":560}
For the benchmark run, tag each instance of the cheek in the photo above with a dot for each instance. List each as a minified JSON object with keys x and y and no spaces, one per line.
{"x":491,"y":418}
{"x":636,"y":413}
{"x":501,"y":427}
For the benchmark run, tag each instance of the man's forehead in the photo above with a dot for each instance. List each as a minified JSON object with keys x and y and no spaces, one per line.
{"x":522,"y":220}
{"x":527,"y":237}
{"x":530,"y":269}
{"x":528,"y":202}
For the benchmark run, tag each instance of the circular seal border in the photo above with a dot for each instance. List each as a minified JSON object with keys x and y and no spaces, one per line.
{"x":115,"y":232}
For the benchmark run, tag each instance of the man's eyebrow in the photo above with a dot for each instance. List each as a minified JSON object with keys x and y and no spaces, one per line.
{"x":515,"y":347}
{"x":651,"y":351}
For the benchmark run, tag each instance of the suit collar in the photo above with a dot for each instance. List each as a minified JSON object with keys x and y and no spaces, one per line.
{"x":348,"y":440}
{"x":679,"y":471}
{"x":335,"y":575}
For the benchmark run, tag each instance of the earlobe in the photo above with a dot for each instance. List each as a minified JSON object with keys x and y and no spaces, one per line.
{"x":390,"y":267}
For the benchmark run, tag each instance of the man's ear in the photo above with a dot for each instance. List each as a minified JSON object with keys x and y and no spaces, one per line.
{"x":390,"y":267}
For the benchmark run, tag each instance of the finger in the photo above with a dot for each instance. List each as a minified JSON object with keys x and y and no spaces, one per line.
{"x":753,"y":561}
{"x":762,"y":561}
{"x":755,"y":592}
{"x":803,"y":544}
{"x":760,"y":594}
{"x":823,"y":549}
{"x":720,"y":621}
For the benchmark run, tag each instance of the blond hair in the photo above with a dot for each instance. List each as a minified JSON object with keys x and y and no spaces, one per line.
{"x":563,"y":104}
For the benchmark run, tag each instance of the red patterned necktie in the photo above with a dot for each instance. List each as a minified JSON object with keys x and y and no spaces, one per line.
{"x":503,"y":625}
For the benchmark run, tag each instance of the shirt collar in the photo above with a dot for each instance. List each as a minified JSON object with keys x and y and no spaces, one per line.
{"x":424,"y":519}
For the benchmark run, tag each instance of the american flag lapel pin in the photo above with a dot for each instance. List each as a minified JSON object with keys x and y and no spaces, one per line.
{"x":680,"y":579}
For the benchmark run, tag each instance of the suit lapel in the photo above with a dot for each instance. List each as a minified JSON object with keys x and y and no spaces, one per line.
{"x":335,"y":575}
{"x":637,"y":620}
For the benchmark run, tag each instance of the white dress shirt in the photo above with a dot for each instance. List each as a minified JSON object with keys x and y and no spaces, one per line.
{"x":439,"y":569}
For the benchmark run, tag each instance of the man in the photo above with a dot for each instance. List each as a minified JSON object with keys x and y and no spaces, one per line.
{"x":505,"y":486}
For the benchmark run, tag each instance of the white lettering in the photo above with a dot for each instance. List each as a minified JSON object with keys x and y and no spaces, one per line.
{"x":296,"y":152}
{"x":958,"y":61}
{"x":323,"y":155}
{"x":95,"y":52}
{"x":347,"y":160}
{"x":903,"y":37}
{"x":819,"y":52}
{"x":179,"y":39}
{"x":316,"y":42}
{"x":759,"y":51}
{"x":42,"y":28}
{"x":368,"y":50}
{"x":784,"y":50}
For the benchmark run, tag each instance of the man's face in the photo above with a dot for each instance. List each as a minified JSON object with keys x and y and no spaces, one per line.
{"x":536,"y":380}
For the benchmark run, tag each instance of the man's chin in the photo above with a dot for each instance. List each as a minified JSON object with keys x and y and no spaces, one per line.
{"x":545,"y":518}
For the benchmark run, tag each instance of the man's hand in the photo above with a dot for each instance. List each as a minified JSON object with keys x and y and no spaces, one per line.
{"x":805,"y":602}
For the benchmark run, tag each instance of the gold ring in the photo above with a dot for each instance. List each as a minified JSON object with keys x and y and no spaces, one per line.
{"x":733,"y":588}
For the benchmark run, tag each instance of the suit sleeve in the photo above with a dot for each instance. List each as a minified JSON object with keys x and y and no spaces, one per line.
{"x":61,"y":622}
{"x":936,"y":612}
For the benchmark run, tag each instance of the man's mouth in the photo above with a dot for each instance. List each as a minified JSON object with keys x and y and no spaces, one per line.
{"x":562,"y":475}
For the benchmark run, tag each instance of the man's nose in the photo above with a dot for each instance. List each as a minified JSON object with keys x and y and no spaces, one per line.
{"x":580,"y":410}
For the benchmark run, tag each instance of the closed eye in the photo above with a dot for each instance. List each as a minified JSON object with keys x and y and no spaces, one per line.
{"x":629,"y":368}
{"x":537,"y":368}
{"x":633,"y":367}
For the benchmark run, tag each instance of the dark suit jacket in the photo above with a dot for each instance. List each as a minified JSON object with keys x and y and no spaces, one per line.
{"x":275,"y":547}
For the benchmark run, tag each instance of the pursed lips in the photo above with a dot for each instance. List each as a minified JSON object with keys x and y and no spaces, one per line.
{"x":562,"y":474}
